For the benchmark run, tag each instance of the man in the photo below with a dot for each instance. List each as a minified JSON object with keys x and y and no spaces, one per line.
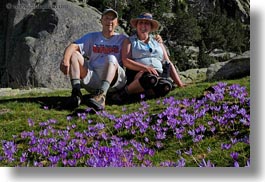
{"x":103,"y":71}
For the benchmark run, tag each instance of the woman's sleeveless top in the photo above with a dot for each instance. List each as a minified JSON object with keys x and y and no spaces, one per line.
{"x":150,"y":53}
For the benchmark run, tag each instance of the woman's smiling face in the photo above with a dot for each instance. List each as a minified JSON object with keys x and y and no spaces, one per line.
{"x":144,"y":26}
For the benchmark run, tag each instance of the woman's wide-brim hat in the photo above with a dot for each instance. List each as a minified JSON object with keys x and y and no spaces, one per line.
{"x":147,"y":17}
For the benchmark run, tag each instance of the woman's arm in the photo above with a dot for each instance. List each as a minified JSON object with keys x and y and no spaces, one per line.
{"x":173,"y":72}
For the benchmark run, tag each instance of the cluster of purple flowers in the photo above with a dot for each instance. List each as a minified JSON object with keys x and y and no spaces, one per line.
{"x":134,"y":139}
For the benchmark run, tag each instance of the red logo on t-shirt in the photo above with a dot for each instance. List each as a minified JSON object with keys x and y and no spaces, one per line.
{"x":105,"y":49}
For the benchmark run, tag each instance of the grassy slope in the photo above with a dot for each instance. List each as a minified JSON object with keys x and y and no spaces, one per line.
{"x":15,"y":111}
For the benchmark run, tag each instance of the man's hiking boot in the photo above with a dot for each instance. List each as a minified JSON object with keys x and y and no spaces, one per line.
{"x":120,"y":97}
{"x":97,"y":100}
{"x":75,"y":100}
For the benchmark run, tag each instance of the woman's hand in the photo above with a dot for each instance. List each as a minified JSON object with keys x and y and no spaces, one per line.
{"x":182,"y":85}
{"x":151,"y":70}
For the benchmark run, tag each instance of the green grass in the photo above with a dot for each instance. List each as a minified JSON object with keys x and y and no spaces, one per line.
{"x":16,"y":110}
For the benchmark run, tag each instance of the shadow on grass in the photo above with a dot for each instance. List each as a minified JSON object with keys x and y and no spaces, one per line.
{"x":61,"y":102}
{"x":49,"y":102}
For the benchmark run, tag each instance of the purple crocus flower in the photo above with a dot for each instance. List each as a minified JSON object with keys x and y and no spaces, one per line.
{"x":159,"y":144}
{"x":104,"y":136}
{"x":167,"y":164}
{"x":100,"y":126}
{"x":202,"y":128}
{"x":225,"y":146}
{"x":23,"y":158}
{"x":236,"y":164}
{"x":147,"y":163}
{"x":189,"y":152}
{"x":69,"y":118}
{"x":161,"y":135}
{"x":181,"y":163}
{"x":30,"y":122}
{"x":233,"y":140}
{"x":197,"y":138}
{"x":179,"y":136}
{"x":191,"y":133}
{"x":54,"y":159}
{"x":71,"y":162}
{"x":142,"y":96}
{"x":9,"y":148}
{"x":234,"y":155}
{"x":213,"y":129}
{"x":46,"y":107}
{"x":65,"y":162}
{"x":178,"y":152}
{"x":206,"y":164}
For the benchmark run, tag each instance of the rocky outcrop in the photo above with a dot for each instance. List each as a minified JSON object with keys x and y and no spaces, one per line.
{"x":237,"y":67}
{"x":36,"y":35}
{"x":193,"y":75}
{"x":221,"y":55}
{"x":238,"y":9}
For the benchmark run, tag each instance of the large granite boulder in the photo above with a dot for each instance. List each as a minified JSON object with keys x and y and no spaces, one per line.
{"x":37,"y":33}
{"x":237,"y":67}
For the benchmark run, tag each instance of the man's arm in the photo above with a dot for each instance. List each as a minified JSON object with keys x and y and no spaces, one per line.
{"x":158,"y":38}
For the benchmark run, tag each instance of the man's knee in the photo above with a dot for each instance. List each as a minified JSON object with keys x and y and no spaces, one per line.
{"x":111,"y":59}
{"x":76,"y":57}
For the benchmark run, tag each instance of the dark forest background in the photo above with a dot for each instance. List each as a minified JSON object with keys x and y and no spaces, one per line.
{"x":209,"y":25}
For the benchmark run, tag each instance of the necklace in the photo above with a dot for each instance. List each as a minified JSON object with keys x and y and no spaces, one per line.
{"x":144,"y":40}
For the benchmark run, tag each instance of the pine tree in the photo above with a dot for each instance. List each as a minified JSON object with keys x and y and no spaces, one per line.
{"x":204,"y":60}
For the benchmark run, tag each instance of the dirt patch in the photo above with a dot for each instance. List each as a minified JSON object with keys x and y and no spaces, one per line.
{"x":4,"y":111}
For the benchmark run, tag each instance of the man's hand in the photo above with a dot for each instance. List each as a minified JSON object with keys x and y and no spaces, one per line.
{"x":158,"y":38}
{"x":64,"y":67}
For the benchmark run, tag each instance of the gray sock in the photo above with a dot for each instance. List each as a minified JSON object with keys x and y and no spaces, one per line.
{"x":76,"y":83}
{"x":105,"y":86}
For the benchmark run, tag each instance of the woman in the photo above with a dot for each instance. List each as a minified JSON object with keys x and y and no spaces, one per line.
{"x":144,"y":58}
